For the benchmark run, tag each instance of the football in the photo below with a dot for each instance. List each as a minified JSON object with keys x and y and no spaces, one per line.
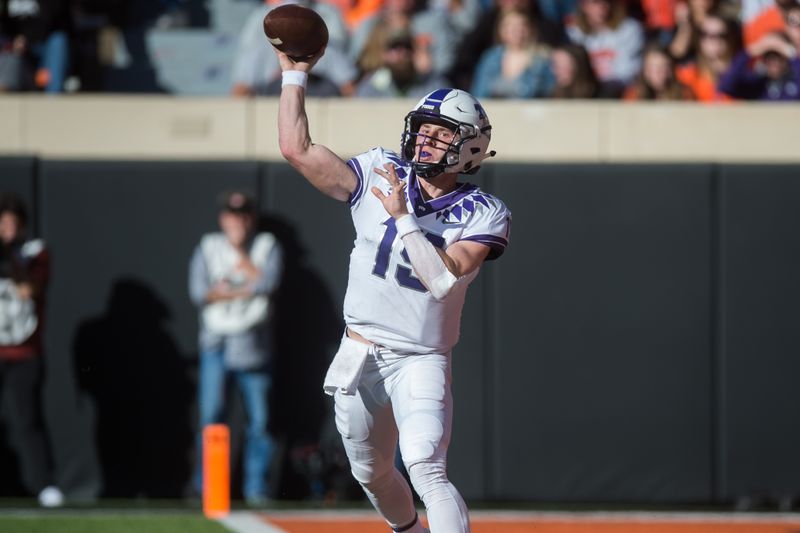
{"x":297,"y":31}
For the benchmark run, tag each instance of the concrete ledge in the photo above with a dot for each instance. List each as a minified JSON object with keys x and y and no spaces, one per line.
{"x":159,"y":127}
{"x":11,"y":125}
{"x":131,"y":127}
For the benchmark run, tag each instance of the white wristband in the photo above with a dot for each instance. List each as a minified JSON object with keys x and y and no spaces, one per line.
{"x":405,"y":225}
{"x":294,"y":77}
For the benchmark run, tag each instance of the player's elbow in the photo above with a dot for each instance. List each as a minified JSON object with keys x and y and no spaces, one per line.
{"x":291,"y":151}
{"x":442,"y":285}
{"x":293,"y":147}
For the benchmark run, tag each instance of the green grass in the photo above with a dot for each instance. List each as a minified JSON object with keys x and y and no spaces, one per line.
{"x":109,"y":524}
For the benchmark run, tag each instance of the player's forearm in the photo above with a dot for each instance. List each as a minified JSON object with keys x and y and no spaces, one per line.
{"x":430,"y":263}
{"x":293,"y":137}
{"x":321,"y":167}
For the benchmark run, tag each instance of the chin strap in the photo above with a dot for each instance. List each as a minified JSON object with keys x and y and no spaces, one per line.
{"x":427,"y":170}
{"x":431,"y":170}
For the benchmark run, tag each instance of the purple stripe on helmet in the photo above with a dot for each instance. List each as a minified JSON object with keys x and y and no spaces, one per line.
{"x":435,"y":99}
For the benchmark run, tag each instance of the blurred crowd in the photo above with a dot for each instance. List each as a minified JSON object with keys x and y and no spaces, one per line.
{"x":703,"y":50}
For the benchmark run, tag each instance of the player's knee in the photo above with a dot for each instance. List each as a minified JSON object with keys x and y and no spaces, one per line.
{"x":371,"y":473}
{"x":427,"y":476}
{"x":421,"y":438}
{"x":370,"y":479}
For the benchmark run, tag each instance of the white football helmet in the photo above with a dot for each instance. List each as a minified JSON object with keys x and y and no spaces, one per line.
{"x":462,"y":113}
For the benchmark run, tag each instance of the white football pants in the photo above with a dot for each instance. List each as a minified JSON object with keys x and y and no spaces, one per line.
{"x":405,"y":398}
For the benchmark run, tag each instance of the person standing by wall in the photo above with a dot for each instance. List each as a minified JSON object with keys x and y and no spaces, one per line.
{"x":24,"y":272}
{"x":232,"y":275}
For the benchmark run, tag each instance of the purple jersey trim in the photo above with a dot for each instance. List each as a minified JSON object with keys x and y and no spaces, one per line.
{"x":359,"y":190}
{"x":497,"y":245}
{"x":422,"y":208}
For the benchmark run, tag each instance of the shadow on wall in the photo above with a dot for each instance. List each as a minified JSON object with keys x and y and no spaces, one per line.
{"x":131,"y":368}
{"x":308,"y":328}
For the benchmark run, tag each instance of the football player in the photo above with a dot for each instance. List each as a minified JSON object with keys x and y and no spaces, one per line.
{"x":421,"y":237}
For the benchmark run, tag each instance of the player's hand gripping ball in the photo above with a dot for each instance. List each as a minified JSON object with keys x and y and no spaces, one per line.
{"x":297,"y":31}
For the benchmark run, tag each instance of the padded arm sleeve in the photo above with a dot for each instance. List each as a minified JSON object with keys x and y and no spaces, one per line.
{"x":428,"y":266}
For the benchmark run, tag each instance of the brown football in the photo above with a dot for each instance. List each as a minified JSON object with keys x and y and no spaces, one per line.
{"x":297,"y":31}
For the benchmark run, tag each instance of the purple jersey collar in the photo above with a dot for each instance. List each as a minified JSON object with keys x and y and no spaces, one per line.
{"x":423,"y":207}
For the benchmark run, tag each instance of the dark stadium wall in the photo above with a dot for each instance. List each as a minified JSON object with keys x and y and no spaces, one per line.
{"x":636,"y":343}
{"x":121,"y":335}
{"x":601,"y":368}
{"x":16,"y":176}
{"x":759,"y":338}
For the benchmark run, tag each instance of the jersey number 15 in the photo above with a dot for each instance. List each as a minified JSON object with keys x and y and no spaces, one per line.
{"x":404,"y":275}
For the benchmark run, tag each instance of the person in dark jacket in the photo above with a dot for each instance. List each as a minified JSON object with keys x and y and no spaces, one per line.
{"x":24,"y":271}
{"x":769,"y":69}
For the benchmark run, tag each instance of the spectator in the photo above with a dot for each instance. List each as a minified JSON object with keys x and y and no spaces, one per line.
{"x":355,"y":11}
{"x":557,"y":11}
{"x":175,"y":15}
{"x":255,"y":66}
{"x":483,"y":37}
{"x":435,"y":37}
{"x":614,"y":41}
{"x":760,"y":17}
{"x":97,"y":41}
{"x":11,"y":67}
{"x":769,"y":69}
{"x":792,"y":17}
{"x":399,"y":76}
{"x":36,"y":31}
{"x":24,"y":273}
{"x":232,"y":275}
{"x":659,"y":20}
{"x":689,"y":15}
{"x":518,"y":66}
{"x":465,"y":15}
{"x":573,"y":74}
{"x":719,"y":41}
{"x":657,"y":80}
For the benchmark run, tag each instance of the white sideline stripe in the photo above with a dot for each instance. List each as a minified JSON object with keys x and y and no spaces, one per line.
{"x":247,"y":522}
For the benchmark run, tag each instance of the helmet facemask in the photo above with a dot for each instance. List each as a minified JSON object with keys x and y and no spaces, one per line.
{"x":462,"y":133}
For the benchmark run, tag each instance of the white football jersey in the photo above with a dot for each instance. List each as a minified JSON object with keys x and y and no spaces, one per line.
{"x":385,"y":302}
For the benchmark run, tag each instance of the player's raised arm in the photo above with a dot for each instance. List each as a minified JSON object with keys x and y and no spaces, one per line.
{"x":321,"y":167}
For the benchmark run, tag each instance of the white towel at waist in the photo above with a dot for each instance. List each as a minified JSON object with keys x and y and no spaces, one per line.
{"x":345,"y":370}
